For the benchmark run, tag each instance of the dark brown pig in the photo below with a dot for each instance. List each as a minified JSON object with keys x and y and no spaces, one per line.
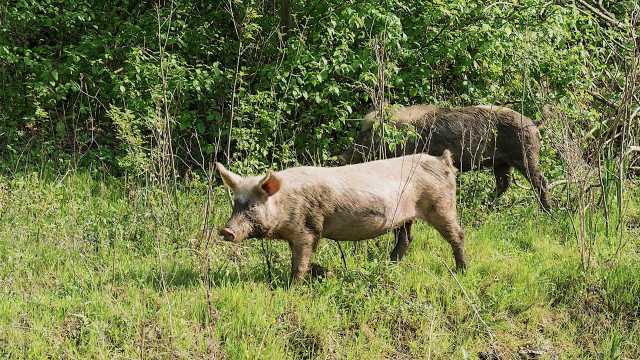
{"x":478,"y":136}
{"x":348,"y":203}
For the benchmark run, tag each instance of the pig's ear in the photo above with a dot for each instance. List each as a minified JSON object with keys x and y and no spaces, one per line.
{"x":270,"y":183}
{"x":230,"y":179}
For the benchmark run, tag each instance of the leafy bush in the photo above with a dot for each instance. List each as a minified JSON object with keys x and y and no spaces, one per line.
{"x":260,"y":96}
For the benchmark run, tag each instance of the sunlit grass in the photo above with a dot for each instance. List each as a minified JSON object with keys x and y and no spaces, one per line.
{"x":101,"y":268}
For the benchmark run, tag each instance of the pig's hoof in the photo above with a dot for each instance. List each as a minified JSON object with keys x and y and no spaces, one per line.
{"x":318,"y":271}
{"x":461,"y":268}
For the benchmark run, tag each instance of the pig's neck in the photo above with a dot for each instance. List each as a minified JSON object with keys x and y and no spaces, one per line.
{"x":276,"y":212}
{"x":291,"y":210}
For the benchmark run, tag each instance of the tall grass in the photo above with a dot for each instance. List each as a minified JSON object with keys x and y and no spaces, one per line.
{"x":94,"y":266}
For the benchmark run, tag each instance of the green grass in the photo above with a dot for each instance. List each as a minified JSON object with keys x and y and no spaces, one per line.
{"x":94,"y":267}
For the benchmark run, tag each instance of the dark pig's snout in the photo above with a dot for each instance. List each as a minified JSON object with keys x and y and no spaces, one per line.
{"x":227,"y":234}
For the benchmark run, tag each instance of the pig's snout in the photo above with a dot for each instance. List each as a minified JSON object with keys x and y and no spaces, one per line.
{"x":236,"y":229}
{"x":227,"y":234}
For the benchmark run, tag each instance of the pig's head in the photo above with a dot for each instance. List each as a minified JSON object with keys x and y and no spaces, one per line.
{"x":364,"y":146}
{"x":253,"y":208}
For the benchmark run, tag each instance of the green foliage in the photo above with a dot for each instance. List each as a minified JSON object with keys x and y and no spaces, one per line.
{"x":128,"y":130}
{"x":222,"y":69}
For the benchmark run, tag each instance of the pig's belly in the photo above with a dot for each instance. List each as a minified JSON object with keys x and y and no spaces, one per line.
{"x":354,"y":229}
{"x":366,"y":223}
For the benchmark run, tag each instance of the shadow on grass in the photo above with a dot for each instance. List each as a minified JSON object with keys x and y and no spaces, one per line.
{"x":276,"y":274}
{"x":185,"y":276}
{"x":176,"y":277}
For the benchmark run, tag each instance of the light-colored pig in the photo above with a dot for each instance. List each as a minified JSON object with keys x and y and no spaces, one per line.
{"x":355,"y":202}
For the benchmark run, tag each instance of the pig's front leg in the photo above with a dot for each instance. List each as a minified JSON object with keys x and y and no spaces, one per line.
{"x":301,"y":250}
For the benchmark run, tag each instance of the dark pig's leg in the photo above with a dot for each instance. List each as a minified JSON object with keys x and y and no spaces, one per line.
{"x":403,"y":240}
{"x":534,"y":175}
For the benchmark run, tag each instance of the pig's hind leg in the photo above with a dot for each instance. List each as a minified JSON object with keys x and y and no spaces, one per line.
{"x":531,"y":170}
{"x":403,"y":240}
{"x":443,"y":218}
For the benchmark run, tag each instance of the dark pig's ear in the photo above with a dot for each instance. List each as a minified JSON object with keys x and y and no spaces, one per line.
{"x":270,"y":184}
{"x":230,"y":179}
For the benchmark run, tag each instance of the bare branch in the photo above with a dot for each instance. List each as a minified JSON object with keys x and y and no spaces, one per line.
{"x":607,"y":17}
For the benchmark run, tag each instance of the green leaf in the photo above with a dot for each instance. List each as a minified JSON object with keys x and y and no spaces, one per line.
{"x":322,"y":76}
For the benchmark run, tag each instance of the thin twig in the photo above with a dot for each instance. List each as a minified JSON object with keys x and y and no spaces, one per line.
{"x":344,"y":261}
{"x":267,"y":258}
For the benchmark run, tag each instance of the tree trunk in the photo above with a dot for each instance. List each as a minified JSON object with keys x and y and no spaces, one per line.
{"x":285,"y":16}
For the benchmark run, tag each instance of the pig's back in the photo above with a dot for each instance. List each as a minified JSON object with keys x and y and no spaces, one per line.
{"x":379,"y":176}
{"x":400,"y":169}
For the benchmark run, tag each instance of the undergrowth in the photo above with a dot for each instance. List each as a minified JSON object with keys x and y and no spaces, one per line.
{"x":95,"y":266}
